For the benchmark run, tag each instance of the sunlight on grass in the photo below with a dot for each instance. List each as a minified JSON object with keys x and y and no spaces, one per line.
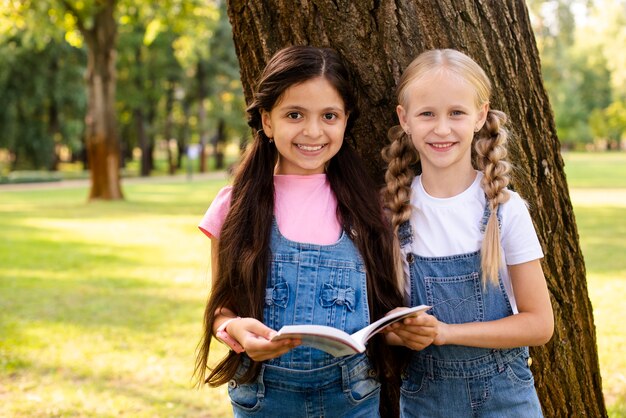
{"x":102,"y":303}
{"x":601,"y":222}
{"x":609,"y":314}
{"x":595,"y":170}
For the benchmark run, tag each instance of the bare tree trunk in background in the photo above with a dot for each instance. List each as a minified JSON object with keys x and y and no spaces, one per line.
{"x":378,"y":40}
{"x":103,"y":149}
{"x":169,"y":124}
{"x":219,"y":142}
{"x":201,"y":77}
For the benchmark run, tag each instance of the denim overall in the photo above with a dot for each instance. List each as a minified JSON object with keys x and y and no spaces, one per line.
{"x":312,"y":284}
{"x":458,"y":381}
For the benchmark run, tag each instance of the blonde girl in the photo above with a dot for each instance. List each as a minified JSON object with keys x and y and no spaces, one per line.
{"x":468,"y":245}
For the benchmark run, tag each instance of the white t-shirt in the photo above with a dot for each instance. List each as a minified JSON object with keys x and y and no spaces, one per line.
{"x":450,"y":226}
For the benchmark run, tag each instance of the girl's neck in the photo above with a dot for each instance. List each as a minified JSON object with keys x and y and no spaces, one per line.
{"x":447,"y":184}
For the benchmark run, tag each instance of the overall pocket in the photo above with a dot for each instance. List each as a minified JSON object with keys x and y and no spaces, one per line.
{"x":276,"y":299}
{"x":342,"y":300}
{"x":413,"y":383}
{"x":456,"y":299}
{"x":244,"y":397}
{"x":362,"y":385}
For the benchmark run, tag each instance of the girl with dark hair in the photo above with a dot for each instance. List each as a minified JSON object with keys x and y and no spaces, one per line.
{"x":299,"y":238}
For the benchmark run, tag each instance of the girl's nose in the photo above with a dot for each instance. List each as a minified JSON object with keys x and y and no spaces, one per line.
{"x":442,"y":127}
{"x":313,"y":129}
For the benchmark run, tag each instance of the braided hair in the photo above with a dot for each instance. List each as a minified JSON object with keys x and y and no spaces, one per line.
{"x":488,"y":155}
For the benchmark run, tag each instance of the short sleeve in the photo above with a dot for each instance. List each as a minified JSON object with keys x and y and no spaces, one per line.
{"x":211,"y":223}
{"x":519,"y":238}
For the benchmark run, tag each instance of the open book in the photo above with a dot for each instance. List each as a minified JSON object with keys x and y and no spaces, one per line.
{"x":337,"y":342}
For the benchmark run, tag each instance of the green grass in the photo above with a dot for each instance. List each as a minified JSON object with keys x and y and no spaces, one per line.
{"x":101,"y":303}
{"x":595,"y":170}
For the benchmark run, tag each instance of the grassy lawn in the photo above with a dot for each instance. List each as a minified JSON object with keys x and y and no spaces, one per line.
{"x":598,"y":191}
{"x":101,"y":303}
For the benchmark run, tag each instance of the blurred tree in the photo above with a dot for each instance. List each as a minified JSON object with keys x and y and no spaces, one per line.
{"x":576,"y":76}
{"x":605,"y":31}
{"x":583,"y":65}
{"x":95,"y":20}
{"x":148,"y":70}
{"x":215,"y":88}
{"x":378,"y":40}
{"x":160,"y":47}
{"x":41,"y":97}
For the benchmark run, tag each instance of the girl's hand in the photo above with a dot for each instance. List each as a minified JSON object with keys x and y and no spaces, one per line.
{"x":415,"y":333}
{"x":255,"y":338}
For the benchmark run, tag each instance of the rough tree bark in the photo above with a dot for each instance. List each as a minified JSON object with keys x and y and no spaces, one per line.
{"x":378,"y":39}
{"x":103,"y":150}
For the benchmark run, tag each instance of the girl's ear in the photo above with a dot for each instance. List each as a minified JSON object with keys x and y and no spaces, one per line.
{"x":482,"y":116}
{"x":266,"y":120}
{"x":402,"y":117}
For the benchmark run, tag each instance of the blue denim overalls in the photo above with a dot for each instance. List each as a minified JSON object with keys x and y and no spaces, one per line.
{"x":458,"y":381}
{"x":312,"y":284}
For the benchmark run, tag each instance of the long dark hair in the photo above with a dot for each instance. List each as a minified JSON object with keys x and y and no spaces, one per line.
{"x":244,"y":244}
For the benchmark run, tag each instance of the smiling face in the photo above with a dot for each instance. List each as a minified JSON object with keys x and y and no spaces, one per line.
{"x":307,"y":125}
{"x":441,"y":114}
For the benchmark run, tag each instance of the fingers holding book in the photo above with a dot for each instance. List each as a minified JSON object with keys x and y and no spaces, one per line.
{"x":414,"y":332}
{"x":255,"y":337}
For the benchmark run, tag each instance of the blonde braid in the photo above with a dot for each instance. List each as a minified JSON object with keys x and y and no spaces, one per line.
{"x":400,"y":154}
{"x":490,"y":158}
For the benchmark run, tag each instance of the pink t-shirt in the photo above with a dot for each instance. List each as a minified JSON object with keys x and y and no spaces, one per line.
{"x":305,"y":209}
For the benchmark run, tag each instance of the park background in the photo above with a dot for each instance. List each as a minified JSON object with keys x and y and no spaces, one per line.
{"x":101,"y":303}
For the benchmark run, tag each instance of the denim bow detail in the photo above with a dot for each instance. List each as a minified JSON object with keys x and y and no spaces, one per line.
{"x":277,"y":295}
{"x":341,"y":296}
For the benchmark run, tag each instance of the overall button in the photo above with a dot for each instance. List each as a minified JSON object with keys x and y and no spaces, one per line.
{"x":409,"y":258}
{"x":232,"y":383}
{"x":371,"y":373}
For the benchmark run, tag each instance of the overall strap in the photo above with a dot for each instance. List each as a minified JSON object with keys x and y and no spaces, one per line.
{"x":405,"y":234}
{"x":487,"y":213}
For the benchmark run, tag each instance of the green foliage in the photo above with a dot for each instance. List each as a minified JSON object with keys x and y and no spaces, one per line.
{"x":582,"y":55}
{"x":160,"y":47}
{"x":43,"y":100}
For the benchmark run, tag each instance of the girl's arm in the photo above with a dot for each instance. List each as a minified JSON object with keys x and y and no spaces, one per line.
{"x":250,"y":333}
{"x":532,"y":326}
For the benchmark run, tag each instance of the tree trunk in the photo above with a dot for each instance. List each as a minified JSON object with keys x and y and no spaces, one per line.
{"x":378,"y":39}
{"x":103,"y":151}
{"x":218,"y":142}
{"x":142,"y":141}
{"x":169,"y":124}
{"x":201,"y":78}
